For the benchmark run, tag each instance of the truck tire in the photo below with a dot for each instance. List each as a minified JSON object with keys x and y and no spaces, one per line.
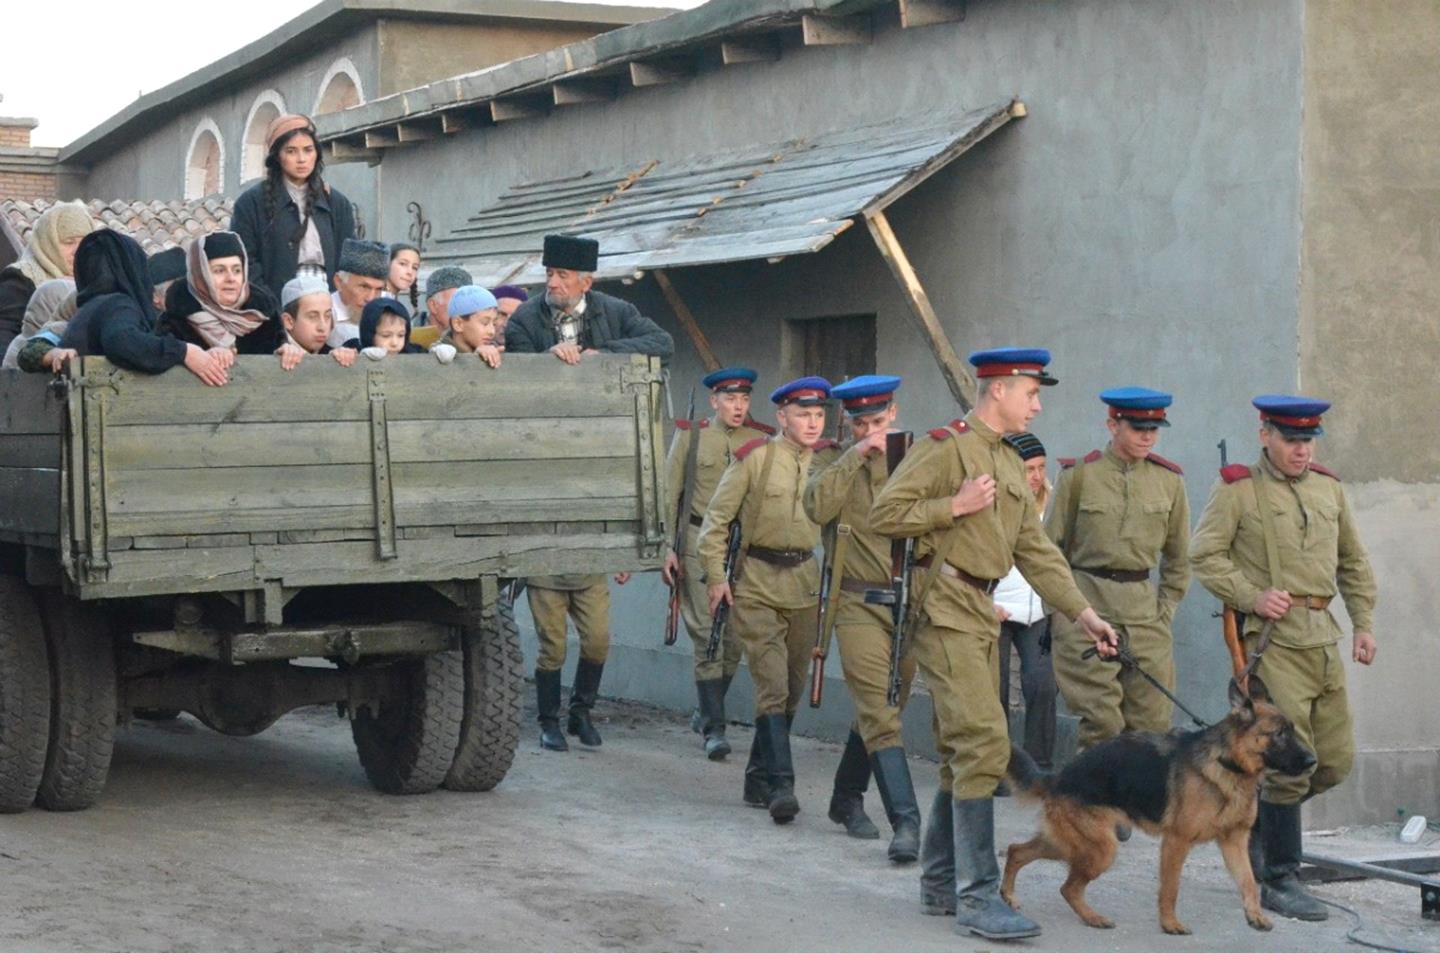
{"x":407,"y":745}
{"x":494,"y":676}
{"x":82,"y":703}
{"x":24,"y":697}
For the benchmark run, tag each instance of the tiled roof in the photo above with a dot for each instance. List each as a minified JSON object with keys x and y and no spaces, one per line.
{"x":155,"y":225}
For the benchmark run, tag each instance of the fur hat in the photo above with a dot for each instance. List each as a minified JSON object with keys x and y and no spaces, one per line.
{"x":571,"y":252}
{"x":222,"y":245}
{"x":166,"y":265}
{"x":443,"y":279}
{"x":370,"y":259}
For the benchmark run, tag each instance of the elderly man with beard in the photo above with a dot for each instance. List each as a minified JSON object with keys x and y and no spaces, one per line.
{"x":572,"y":321}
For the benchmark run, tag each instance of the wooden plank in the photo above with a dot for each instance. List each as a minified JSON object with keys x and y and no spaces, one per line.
{"x":382,"y":486}
{"x":998,"y":116}
{"x":184,"y":446}
{"x":506,"y":110}
{"x":30,"y":450}
{"x":288,"y":537}
{"x":914,"y":13}
{"x":343,"y":150}
{"x":262,"y":523}
{"x":28,"y":405}
{"x":455,"y":120}
{"x":136,"y":572}
{"x":661,"y":71}
{"x":575,"y":92}
{"x":819,"y":30}
{"x":381,"y":138}
{"x":686,"y":317}
{"x":759,"y":48}
{"x":30,"y":500}
{"x":417,"y":131}
{"x":957,"y":377}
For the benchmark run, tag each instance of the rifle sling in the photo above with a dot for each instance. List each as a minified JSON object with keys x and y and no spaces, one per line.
{"x":938,"y":557}
{"x":754,"y":497}
{"x":687,"y":488}
{"x":1267,"y":529}
{"x":836,"y":569}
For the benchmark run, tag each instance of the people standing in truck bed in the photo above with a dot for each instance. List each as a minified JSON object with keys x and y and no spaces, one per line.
{"x":217,"y":305}
{"x":49,"y":253}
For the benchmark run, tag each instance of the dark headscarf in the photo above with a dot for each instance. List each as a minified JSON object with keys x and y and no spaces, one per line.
{"x":110,"y":268}
{"x":370,"y":320}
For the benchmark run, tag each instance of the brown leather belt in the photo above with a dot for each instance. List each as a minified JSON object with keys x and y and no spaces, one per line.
{"x":1318,"y":603}
{"x":860,"y":586}
{"x":1116,"y":575}
{"x":696,"y":520}
{"x":986,"y":586}
{"x":787,"y":558}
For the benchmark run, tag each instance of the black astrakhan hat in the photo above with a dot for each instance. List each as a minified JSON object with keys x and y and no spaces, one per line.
{"x":571,"y":252}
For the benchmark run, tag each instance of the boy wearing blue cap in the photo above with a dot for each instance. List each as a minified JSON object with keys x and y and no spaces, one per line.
{"x":1119,"y":514}
{"x":1284,"y":563}
{"x":843,"y":493}
{"x":472,"y":313}
{"x":714,"y":443}
{"x":774,"y":602}
{"x":964,"y":494}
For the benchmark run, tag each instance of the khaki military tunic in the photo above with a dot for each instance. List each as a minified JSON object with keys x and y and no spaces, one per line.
{"x":717,"y":450}
{"x":1128,"y":516}
{"x":844,"y":492}
{"x":775,"y":606}
{"x":1320,"y":554}
{"x":957,"y":640}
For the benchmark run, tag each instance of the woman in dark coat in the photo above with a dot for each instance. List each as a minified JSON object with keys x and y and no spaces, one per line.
{"x":292,"y":223}
{"x":217,"y":306}
{"x":116,"y":317}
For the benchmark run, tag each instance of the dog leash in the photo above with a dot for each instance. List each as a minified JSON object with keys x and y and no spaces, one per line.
{"x":1127,"y":660}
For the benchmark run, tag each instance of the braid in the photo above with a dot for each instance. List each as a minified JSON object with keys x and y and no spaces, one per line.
{"x":270,"y":195}
{"x":414,"y":296}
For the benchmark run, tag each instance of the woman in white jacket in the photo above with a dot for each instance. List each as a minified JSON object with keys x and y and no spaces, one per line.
{"x":1023,"y":623}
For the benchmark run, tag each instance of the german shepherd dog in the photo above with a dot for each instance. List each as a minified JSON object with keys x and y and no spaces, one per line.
{"x":1187,"y":787}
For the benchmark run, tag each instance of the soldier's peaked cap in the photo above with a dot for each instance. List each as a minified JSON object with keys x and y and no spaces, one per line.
{"x":1141,"y":406}
{"x":1292,"y":416}
{"x":730,"y":380}
{"x":866,"y":394}
{"x":806,"y":391}
{"x":1013,"y":362}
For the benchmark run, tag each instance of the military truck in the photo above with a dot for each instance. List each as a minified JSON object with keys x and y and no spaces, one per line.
{"x":323,"y":536}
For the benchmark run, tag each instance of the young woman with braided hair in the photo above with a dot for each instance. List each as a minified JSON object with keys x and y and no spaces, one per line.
{"x":292,"y":222}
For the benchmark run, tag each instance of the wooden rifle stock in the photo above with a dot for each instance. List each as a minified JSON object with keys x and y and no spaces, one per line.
{"x":1232,"y":640}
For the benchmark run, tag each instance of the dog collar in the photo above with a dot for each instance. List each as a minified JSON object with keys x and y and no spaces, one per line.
{"x":1229,"y":765}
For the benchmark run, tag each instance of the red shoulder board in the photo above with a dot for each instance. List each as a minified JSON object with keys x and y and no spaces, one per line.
{"x":1234,"y":473}
{"x":1170,"y":465}
{"x":956,"y":426}
{"x":685,"y":424}
{"x":1067,"y":462}
{"x":1325,"y":470}
{"x":745,"y":451}
{"x":1092,"y":456}
{"x":757,"y":425}
{"x":825,"y":443}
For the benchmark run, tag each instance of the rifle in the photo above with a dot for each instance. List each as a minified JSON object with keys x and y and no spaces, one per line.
{"x":825,"y":619}
{"x":902,"y":561}
{"x":722,"y":611}
{"x":682,"y":517}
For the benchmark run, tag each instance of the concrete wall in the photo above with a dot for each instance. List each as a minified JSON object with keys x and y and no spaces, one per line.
{"x":153,"y":166}
{"x":1369,"y":289}
{"x":1143,"y":222}
{"x":415,"y":52}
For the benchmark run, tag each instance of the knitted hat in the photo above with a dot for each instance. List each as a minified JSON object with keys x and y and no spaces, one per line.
{"x":443,"y":279}
{"x":281,"y":125}
{"x":571,"y":252}
{"x":166,"y":265}
{"x":1026,"y":444}
{"x":370,"y":259}
{"x":469,"y":299}
{"x":514,"y":292}
{"x":300,"y":286}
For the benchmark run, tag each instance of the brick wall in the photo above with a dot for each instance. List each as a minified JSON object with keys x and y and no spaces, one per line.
{"x":27,"y":185}
{"x":18,"y":136}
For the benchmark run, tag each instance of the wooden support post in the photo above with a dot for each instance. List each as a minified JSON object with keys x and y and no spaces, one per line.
{"x":687,"y":320}
{"x":957,"y":377}
{"x":577,"y":91}
{"x":659,"y":72}
{"x":818,"y":30}
{"x":503,"y":110}
{"x":381,"y":138}
{"x":416,"y":131}
{"x":343,"y":151}
{"x":929,"y":12}
{"x":759,"y":48}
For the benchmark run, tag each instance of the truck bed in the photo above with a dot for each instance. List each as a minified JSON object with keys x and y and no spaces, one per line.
{"x":403,"y":470}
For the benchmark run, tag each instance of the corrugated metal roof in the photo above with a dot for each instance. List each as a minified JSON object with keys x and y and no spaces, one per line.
{"x":757,"y":202}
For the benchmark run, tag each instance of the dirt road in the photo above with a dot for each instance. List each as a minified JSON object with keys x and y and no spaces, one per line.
{"x":276,"y":843}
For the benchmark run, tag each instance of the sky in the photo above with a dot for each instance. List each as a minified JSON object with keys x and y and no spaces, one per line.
{"x":72,"y":65}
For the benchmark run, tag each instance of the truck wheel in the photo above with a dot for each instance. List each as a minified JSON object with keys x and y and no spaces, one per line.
{"x":406,"y":743}
{"x":490,"y":731}
{"x":82,"y":704}
{"x":24,"y":697}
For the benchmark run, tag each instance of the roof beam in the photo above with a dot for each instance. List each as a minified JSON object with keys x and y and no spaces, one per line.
{"x":381,"y":138}
{"x":757,"y":48}
{"x":416,"y":131}
{"x":504,"y":110}
{"x":929,"y":12}
{"x":660,"y":72}
{"x":344,"y":151}
{"x":574,"y":92}
{"x":834,"y":31}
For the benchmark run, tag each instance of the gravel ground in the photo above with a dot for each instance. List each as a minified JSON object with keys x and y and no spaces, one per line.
{"x":276,"y":843}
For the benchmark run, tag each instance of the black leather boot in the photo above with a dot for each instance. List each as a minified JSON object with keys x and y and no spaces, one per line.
{"x":847,"y":800}
{"x":712,"y":710}
{"x":582,"y":700}
{"x":1278,"y":827}
{"x":937,"y":859}
{"x":757,"y":781}
{"x":547,"y":701}
{"x":979,"y":908}
{"x":783,"y":805}
{"x":897,"y":792}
